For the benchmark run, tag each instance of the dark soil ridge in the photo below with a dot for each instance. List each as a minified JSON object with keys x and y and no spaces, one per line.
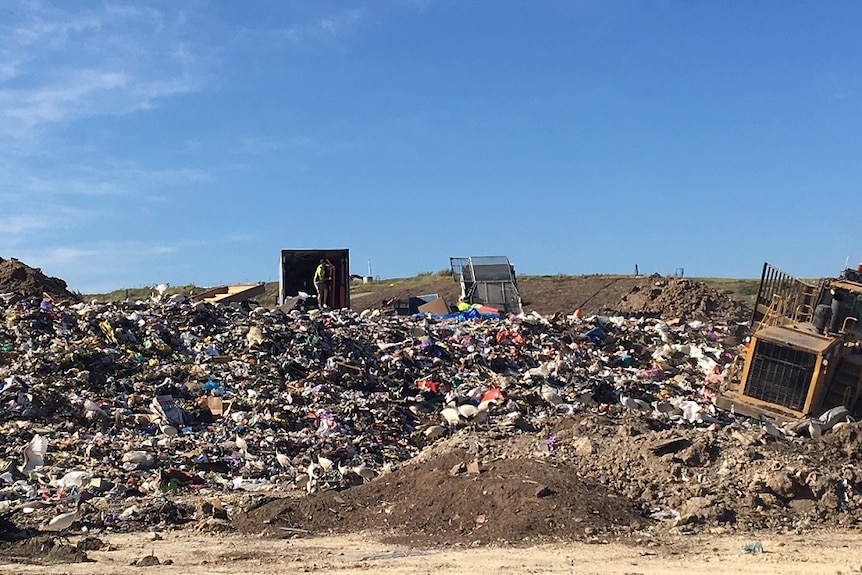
{"x":458,"y":498}
{"x":21,"y":281}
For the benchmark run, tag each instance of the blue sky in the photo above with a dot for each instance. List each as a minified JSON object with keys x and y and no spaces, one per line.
{"x":191,"y":141}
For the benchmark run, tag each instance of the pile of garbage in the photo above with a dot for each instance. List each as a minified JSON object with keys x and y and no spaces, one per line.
{"x":140,"y":413}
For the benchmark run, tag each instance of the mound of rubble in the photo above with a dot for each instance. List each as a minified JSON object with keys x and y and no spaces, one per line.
{"x":591,"y":477}
{"x":680,"y":298}
{"x":20,"y":281}
{"x":167,"y":413}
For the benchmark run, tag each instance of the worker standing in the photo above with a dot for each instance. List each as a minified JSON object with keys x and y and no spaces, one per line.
{"x":321,"y":283}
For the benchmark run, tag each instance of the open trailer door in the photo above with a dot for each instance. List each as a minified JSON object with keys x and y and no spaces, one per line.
{"x":296,"y":274}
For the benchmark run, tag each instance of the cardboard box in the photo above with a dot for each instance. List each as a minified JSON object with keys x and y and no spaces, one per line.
{"x":437,"y":307}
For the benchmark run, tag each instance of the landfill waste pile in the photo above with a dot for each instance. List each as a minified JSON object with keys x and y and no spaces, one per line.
{"x":164,"y":413}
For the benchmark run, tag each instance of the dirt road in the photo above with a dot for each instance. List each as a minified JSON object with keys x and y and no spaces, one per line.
{"x":192,"y":553}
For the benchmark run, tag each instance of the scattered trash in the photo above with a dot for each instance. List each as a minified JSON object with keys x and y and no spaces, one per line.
{"x":668,"y":515}
{"x":135,"y":401}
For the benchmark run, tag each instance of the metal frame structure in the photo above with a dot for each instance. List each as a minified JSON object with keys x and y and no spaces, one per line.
{"x":488,"y":280}
{"x":782,"y":297}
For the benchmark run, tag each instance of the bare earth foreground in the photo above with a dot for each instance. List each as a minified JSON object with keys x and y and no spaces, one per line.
{"x":190,"y":553}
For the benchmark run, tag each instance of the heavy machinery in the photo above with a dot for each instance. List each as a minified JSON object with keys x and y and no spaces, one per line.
{"x":805,"y":352}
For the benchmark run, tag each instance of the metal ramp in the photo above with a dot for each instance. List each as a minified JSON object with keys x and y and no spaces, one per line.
{"x":488,"y":280}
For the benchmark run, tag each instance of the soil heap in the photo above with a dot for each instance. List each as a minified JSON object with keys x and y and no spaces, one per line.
{"x":655,"y":295}
{"x":680,"y":298}
{"x":20,"y":281}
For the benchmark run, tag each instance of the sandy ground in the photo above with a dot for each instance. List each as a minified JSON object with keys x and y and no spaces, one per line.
{"x":821,"y":552}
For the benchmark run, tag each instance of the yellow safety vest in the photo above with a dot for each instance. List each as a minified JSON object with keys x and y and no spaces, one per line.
{"x":320,"y":273}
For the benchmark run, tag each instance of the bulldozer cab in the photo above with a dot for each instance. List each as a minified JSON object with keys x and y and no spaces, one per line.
{"x":839,"y":308}
{"x":804,"y":355}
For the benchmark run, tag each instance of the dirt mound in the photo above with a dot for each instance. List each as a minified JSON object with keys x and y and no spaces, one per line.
{"x":459,"y":497}
{"x":680,"y":298}
{"x":589,"y":293}
{"x":586,"y":478}
{"x":592,"y":294}
{"x":48,"y":549}
{"x":25,"y":282}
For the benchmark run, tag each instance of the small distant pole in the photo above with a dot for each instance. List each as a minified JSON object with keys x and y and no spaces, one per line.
{"x":636,"y":270}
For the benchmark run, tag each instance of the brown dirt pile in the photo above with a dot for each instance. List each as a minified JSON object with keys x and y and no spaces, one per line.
{"x":48,"y":549}
{"x":25,"y":282}
{"x":464,"y":496}
{"x":680,"y":298}
{"x":654,"y":295}
{"x":589,"y":477}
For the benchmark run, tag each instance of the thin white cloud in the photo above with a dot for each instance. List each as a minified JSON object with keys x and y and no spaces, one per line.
{"x":88,"y":181}
{"x":254,"y":146}
{"x":50,"y":29}
{"x":70,"y":202}
{"x":42,"y":214}
{"x":175,"y":177}
{"x":102,"y":266}
{"x":82,"y":93}
{"x":250,"y":145}
{"x":138,"y":12}
{"x":339,"y":23}
{"x":18,"y":224}
{"x":64,"y":183}
{"x":9,"y":68}
{"x":112,"y":253}
{"x":61,"y":63}
{"x":418,"y":5}
{"x":74,"y":201}
{"x":107,"y":265}
{"x":333,"y":26}
{"x":60,"y":256}
{"x":160,"y":250}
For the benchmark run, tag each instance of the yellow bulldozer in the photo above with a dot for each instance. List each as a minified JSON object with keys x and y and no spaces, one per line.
{"x":804,"y":355}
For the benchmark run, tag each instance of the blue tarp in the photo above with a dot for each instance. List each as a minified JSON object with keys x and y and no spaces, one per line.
{"x":469,"y":314}
{"x":596,"y":335}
